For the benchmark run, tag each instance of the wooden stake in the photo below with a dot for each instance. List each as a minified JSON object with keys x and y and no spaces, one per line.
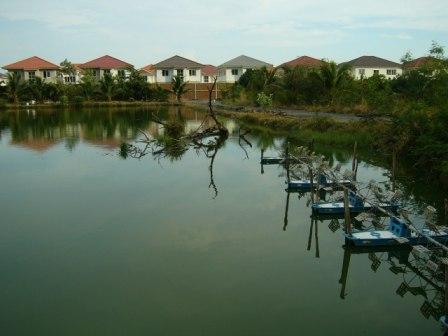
{"x":354,"y":156}
{"x":317,"y":239}
{"x":311,"y":184}
{"x":348,"y":221}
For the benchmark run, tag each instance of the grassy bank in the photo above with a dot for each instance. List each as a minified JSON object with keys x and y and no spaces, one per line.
{"x":320,"y":129}
{"x":89,"y":104}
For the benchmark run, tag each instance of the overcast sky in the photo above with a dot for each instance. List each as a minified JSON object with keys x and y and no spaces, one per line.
{"x":147,"y":31}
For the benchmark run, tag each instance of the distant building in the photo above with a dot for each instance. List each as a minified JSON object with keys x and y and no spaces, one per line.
{"x":367,"y":66}
{"x":303,"y":61}
{"x":418,"y":63}
{"x":189,"y":70}
{"x":107,"y":64}
{"x":148,"y":73}
{"x":209,"y":72}
{"x":34,"y":67}
{"x":231,"y":71}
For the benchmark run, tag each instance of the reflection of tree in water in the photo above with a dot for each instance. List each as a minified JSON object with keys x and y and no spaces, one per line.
{"x":175,"y":141}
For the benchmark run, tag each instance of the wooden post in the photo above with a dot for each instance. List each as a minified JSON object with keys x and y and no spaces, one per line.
{"x":285,"y":219}
{"x":348,"y":221}
{"x":317,"y":239}
{"x":311,"y":234}
{"x":312,"y":183}
{"x":195,"y":92}
{"x":261,"y":161}
{"x":446,"y":290}
{"x":344,"y":273}
{"x":394,"y":168}
{"x":355,"y":160}
{"x":287,"y":163}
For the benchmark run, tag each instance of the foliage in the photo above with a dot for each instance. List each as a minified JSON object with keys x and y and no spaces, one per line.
{"x":264,"y":100}
{"x":67,"y":67}
{"x":178,"y":87}
{"x":107,"y":86}
{"x":14,"y":87}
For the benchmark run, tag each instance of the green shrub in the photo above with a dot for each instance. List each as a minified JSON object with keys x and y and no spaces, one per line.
{"x":63,"y":100}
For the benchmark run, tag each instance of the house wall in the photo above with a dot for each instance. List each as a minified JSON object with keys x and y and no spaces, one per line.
{"x":173,"y":72}
{"x":210,"y":78}
{"x":99,"y":73}
{"x":225,"y":75}
{"x":25,"y":75}
{"x":198,"y":91}
{"x":149,"y":78}
{"x":368,"y":72}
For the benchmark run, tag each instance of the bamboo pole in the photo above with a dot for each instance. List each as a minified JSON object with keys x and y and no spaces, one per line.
{"x":310,"y":235}
{"x":317,"y":239}
{"x":348,"y":221}
{"x":311,"y":183}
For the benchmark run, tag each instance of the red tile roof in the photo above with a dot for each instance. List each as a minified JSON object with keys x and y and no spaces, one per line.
{"x":105,"y":62}
{"x":209,"y":70}
{"x":150,"y":69}
{"x":419,"y":62}
{"x":32,"y":63}
{"x":305,"y":61}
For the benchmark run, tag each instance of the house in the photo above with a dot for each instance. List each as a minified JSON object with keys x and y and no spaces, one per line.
{"x":209,"y":73}
{"x":148,"y":73}
{"x":75,"y":77}
{"x":303,"y":61}
{"x":367,"y":66}
{"x":107,"y":64}
{"x":34,"y":67}
{"x":231,"y":71}
{"x":419,"y":63}
{"x":3,"y":79}
{"x":189,"y":70}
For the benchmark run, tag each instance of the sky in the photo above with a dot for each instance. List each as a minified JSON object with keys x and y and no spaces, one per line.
{"x":143,"y":32}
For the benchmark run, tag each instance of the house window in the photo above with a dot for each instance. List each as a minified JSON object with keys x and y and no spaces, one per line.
{"x":165,"y":73}
{"x":47,"y":74}
{"x":205,"y":79}
{"x":234,"y":72}
{"x":361,"y":72}
{"x":106,"y":71}
{"x":391,"y":71}
{"x":31,"y":75}
{"x":121,"y":73}
{"x":192,"y":72}
{"x":376,"y":72}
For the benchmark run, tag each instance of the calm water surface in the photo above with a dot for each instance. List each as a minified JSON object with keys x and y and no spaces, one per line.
{"x":94,"y":244}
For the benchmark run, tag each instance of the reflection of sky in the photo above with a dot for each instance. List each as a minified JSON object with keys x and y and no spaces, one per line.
{"x":93,"y":244}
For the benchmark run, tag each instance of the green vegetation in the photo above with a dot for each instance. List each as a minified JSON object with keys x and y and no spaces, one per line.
{"x":178,"y":87}
{"x":415,"y":104}
{"x":109,"y":88}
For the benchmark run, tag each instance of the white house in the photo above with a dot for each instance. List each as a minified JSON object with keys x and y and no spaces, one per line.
{"x":107,"y":64}
{"x":189,"y":70}
{"x":367,"y":66}
{"x":231,"y":71}
{"x":148,"y":73}
{"x":35,"y":67}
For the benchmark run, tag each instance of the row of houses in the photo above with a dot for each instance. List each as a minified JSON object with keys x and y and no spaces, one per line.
{"x":191,"y":71}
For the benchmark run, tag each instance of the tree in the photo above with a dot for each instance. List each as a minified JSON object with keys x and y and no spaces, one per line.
{"x":107,"y":86}
{"x":437,"y":51}
{"x":88,"y":84}
{"x":14,"y":87}
{"x":333,"y":76}
{"x":67,"y":67}
{"x":178,"y":87}
{"x":406,"y":58}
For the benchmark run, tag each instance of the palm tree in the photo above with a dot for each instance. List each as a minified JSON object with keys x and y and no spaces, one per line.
{"x":333,"y":76}
{"x":88,"y":84}
{"x":178,"y":87}
{"x":14,"y":87}
{"x":107,"y":86}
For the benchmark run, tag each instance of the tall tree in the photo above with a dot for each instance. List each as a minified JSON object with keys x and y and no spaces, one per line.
{"x":88,"y":84}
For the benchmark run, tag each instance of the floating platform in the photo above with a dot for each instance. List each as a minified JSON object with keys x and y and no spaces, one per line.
{"x":398,"y":234}
{"x":322,"y":181}
{"x":356,"y":205}
{"x":271,"y":160}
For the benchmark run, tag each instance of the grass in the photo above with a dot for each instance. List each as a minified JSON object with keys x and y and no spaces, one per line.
{"x":320,"y":129}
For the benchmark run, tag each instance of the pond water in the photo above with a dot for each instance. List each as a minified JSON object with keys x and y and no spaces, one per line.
{"x":95,"y":244}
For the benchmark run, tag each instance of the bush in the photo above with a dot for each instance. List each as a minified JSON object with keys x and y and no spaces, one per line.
{"x":264,"y":100}
{"x":63,"y":100}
